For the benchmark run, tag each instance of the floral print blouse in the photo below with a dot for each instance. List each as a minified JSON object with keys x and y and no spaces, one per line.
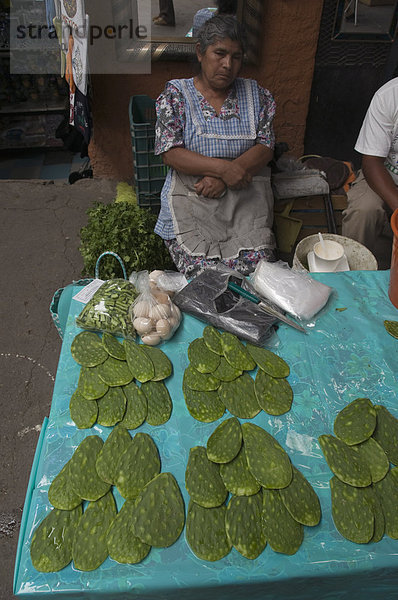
{"x":171,"y":116}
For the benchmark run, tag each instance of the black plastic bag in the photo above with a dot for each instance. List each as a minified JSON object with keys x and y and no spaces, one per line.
{"x":208,"y":298}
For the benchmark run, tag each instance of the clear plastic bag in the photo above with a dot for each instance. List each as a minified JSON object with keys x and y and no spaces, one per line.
{"x":153,"y":314}
{"x":168,"y":281}
{"x":293,"y":291}
{"x":109,"y":309}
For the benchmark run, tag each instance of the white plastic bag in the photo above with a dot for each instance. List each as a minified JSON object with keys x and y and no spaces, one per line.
{"x":293,"y":291}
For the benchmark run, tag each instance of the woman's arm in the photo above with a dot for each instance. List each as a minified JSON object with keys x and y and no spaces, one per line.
{"x":235,"y":174}
{"x":254,"y":159}
{"x":380,"y":180}
{"x":193,"y":163}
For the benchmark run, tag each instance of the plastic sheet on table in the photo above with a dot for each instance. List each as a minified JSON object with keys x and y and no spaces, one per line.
{"x":348,"y":354}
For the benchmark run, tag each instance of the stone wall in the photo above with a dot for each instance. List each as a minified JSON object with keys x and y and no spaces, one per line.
{"x":285,"y":67}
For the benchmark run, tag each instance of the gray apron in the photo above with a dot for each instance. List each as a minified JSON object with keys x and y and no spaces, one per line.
{"x":222,"y":227}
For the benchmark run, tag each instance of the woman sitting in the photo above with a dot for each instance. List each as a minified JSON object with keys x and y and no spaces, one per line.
{"x":215,"y":133}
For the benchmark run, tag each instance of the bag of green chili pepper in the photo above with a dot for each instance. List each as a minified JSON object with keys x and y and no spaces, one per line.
{"x":108,"y":310}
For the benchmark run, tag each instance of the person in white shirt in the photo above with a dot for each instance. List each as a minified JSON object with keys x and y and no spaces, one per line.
{"x":373,"y":196}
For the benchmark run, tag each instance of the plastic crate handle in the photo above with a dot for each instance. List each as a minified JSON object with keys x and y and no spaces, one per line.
{"x":111,"y":254}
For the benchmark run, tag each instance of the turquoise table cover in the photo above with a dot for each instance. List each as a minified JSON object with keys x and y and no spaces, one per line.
{"x":346,"y":354}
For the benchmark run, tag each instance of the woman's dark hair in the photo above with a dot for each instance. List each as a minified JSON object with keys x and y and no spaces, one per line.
{"x":221,"y":27}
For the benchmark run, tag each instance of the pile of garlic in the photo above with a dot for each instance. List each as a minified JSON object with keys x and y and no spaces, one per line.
{"x":155,"y":316}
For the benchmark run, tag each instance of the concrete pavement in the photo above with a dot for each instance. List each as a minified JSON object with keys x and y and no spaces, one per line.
{"x":39,"y":240}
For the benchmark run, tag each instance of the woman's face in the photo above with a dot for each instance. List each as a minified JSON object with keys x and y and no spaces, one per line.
{"x":220,"y":63}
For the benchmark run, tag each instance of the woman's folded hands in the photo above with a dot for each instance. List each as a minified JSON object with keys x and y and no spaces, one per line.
{"x":232,"y":176}
{"x":210,"y":187}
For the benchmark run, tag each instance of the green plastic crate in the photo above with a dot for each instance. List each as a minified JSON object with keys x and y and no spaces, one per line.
{"x":149,"y":170}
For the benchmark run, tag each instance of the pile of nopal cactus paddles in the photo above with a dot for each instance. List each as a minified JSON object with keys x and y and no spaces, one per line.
{"x":364,"y":489}
{"x":217,"y":378}
{"x":271,"y":500}
{"x":107,"y":393}
{"x":152,"y":515}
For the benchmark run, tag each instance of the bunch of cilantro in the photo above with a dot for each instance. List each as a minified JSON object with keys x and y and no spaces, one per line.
{"x":126,"y":229}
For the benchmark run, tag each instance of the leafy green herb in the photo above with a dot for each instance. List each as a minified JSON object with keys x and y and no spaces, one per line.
{"x":126,"y":229}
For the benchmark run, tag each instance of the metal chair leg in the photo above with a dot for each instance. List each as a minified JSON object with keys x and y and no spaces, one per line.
{"x":330,"y":220}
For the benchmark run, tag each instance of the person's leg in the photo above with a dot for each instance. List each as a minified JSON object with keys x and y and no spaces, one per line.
{"x":366,"y":220}
{"x":166,"y":13}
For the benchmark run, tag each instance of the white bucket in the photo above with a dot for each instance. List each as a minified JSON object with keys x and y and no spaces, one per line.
{"x":359,"y":258}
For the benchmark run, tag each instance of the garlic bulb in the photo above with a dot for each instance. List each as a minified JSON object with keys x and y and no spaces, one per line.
{"x":143,"y":325}
{"x":164,"y":328}
{"x":152,"y":339}
{"x":142,"y":308}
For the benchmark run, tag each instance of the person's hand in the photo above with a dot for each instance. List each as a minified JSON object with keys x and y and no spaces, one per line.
{"x":210,"y":187}
{"x":235,"y":176}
